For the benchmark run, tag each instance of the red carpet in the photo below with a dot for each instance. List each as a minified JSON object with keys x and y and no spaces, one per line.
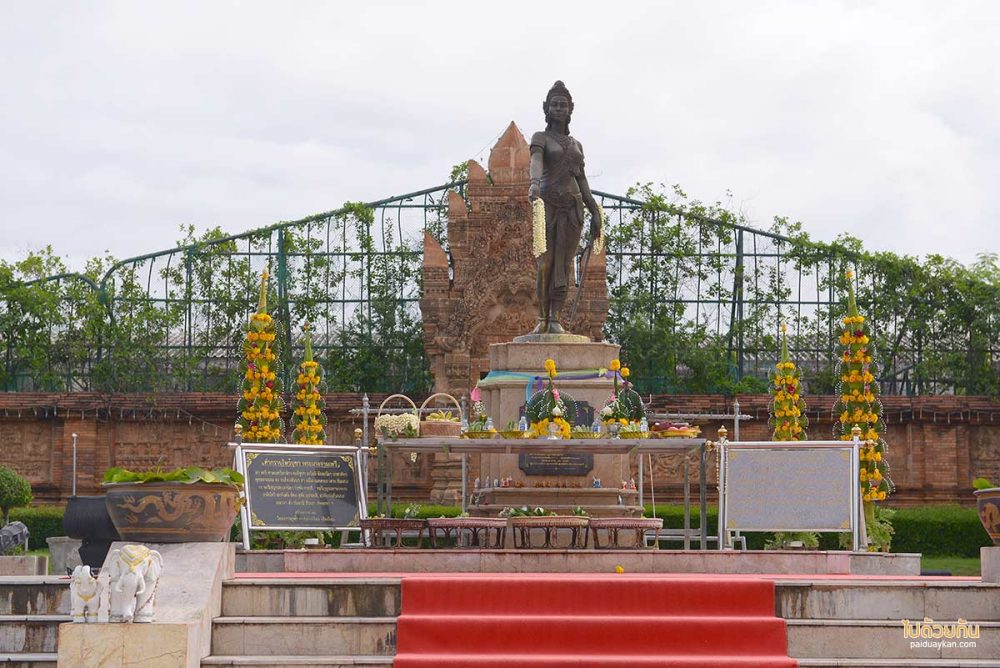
{"x":498,"y":621}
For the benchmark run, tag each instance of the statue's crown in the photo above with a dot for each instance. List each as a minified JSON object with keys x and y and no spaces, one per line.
{"x":558,"y":88}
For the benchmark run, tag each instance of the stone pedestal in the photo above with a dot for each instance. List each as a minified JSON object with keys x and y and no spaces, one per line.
{"x":989,"y":559}
{"x":559,"y":482}
{"x":64,"y":553}
{"x":188,"y":598}
{"x":504,"y":397}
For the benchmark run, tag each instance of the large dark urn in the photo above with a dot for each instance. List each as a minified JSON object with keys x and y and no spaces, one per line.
{"x":988,"y":504}
{"x":86,"y":519}
{"x":172,"y":512}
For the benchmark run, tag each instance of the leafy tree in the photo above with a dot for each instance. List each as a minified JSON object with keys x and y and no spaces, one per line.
{"x":694,"y":293}
{"x":14,"y":492}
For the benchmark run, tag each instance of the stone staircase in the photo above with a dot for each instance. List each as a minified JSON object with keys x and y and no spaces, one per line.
{"x":31,"y":609}
{"x":326,"y":622}
{"x":332,"y":621}
{"x":855,"y":624}
{"x":343,"y":621}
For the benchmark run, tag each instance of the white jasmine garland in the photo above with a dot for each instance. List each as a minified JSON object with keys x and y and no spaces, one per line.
{"x":393,"y":425}
{"x":599,"y":241}
{"x":538,"y":241}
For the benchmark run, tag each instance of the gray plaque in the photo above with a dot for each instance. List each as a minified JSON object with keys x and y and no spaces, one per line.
{"x":791,"y":489}
{"x":582,"y":413}
{"x":555,"y":464}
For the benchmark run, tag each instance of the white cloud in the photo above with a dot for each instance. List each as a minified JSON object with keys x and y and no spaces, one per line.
{"x":122,"y":121}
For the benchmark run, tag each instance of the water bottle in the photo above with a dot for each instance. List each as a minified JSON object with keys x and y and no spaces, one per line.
{"x":643,"y":424}
{"x":489,"y":424}
{"x":465,"y":424}
{"x":523,"y":424}
{"x":596,"y":427}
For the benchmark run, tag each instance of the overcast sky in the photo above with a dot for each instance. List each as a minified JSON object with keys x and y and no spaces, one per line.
{"x":121,"y":121}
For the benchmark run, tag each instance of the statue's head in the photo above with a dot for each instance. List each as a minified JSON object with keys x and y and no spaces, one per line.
{"x":558,"y":105}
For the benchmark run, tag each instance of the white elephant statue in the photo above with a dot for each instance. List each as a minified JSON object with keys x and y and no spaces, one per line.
{"x":133,"y":575}
{"x":84,"y":594}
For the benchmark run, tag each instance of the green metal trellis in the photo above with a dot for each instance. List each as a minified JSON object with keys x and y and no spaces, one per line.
{"x":681,"y":282}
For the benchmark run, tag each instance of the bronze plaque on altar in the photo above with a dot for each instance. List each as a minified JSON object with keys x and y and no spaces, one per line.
{"x":300,"y":490}
{"x":555,"y":464}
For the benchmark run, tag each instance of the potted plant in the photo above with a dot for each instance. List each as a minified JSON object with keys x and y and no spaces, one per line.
{"x":180,"y":506}
{"x":988,"y":504}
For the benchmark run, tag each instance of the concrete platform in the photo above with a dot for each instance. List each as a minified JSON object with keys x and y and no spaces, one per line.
{"x":769,"y":562}
{"x":24,"y":565}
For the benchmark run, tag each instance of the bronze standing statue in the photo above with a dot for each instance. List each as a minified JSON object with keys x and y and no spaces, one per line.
{"x":557,"y":177}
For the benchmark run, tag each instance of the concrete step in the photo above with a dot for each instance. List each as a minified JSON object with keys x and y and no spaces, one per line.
{"x":33,"y":660}
{"x":30,"y":633}
{"x":311,"y":597}
{"x":888,"y":600}
{"x":877,"y":639}
{"x":34,"y":596}
{"x":298,"y":661}
{"x":303,"y":636}
{"x":899,"y":663}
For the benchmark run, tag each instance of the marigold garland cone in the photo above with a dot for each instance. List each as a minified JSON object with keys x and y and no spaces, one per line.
{"x":260,"y":405}
{"x":859,"y":404}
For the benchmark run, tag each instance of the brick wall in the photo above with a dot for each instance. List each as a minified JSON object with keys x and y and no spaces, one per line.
{"x":937,"y":444}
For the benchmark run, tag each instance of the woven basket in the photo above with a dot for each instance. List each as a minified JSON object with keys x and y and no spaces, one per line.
{"x":399,"y":396}
{"x":440,"y":428}
{"x":693,"y":432}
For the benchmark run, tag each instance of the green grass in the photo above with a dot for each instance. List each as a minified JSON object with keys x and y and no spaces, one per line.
{"x":957,"y":565}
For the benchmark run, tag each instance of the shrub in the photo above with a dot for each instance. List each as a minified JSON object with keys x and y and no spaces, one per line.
{"x":933,"y":530}
{"x":14,"y":492}
{"x":425,"y":511}
{"x":939,"y":530}
{"x":42,"y":522}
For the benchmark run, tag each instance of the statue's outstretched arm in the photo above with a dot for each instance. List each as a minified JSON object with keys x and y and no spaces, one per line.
{"x":536,"y":167}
